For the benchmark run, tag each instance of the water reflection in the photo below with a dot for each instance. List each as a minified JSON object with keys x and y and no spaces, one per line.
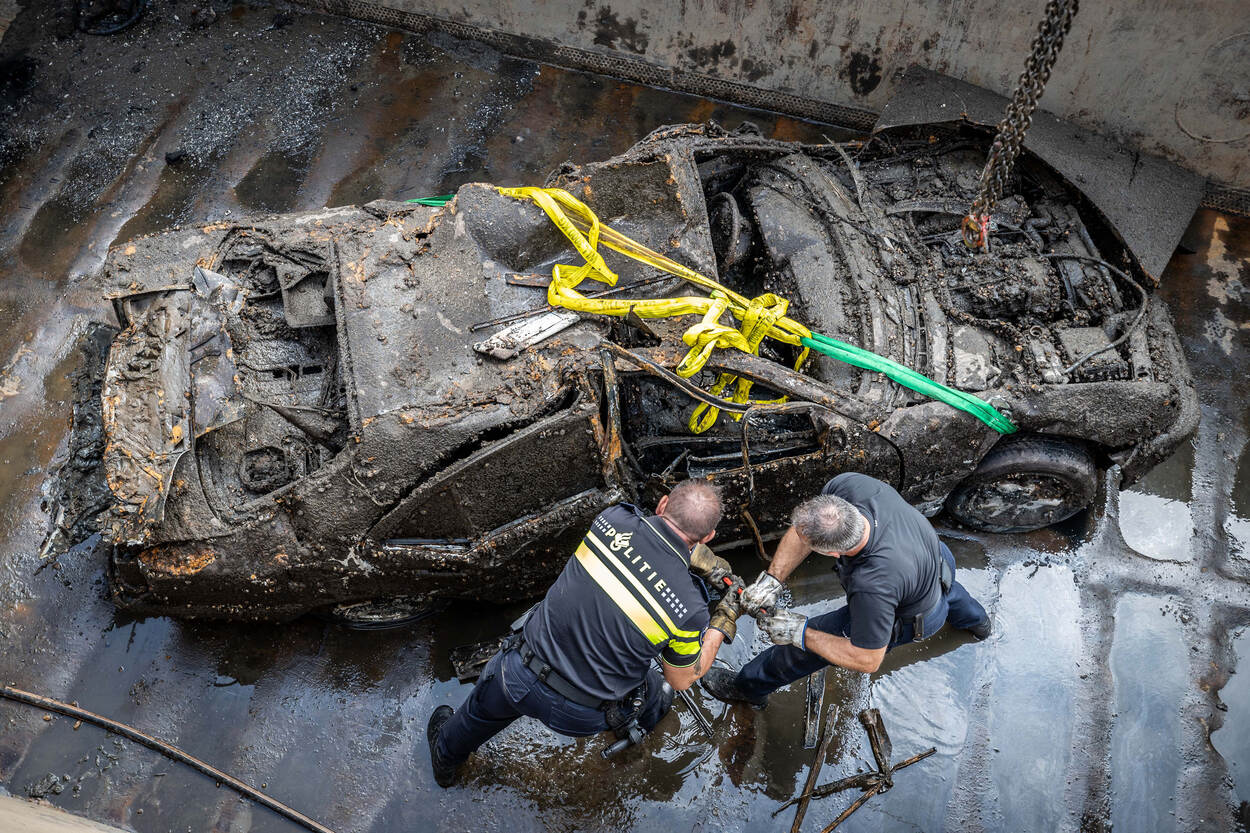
{"x":1031,"y":716}
{"x":1237,"y":525}
{"x":1150,"y":670}
{"x":1232,"y":740}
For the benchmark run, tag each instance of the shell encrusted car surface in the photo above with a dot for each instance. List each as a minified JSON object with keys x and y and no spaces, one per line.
{"x":293,"y":414}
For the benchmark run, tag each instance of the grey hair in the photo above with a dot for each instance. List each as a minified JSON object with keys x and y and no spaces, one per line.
{"x":694,"y":505}
{"x":829,"y":523}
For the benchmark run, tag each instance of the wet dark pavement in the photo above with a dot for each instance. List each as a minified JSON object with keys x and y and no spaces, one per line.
{"x":1106,"y":699}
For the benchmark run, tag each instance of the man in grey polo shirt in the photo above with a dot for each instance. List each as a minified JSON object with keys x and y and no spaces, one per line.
{"x":898,"y":576}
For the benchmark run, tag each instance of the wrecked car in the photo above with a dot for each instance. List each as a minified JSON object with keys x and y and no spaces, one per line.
{"x":292,"y":414}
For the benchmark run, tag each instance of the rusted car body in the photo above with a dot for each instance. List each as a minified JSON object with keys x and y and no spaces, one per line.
{"x":294,"y":417}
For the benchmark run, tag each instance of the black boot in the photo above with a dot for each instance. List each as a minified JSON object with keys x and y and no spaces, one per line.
{"x":444,"y":772}
{"x":722,"y":683}
{"x":984,"y":629}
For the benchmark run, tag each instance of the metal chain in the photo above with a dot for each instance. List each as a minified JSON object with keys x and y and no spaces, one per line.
{"x":1017,"y":118}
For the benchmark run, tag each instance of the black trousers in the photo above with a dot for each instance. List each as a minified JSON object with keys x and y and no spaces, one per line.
{"x":508,"y":690}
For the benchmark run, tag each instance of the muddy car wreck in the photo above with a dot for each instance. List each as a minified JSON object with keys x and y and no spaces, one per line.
{"x":306,"y":410}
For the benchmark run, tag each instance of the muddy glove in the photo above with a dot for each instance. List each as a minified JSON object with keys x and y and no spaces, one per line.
{"x":762,"y":594}
{"x":725,"y":616}
{"x":709,"y":565}
{"x":785,"y":627}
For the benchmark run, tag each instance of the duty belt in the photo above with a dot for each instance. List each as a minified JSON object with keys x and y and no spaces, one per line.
{"x":555,"y":681}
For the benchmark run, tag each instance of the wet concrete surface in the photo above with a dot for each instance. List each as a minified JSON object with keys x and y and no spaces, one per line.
{"x":1107,"y":698}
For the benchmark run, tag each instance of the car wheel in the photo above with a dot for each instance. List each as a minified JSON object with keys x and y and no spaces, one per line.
{"x":383,"y":614}
{"x":1025,"y":483}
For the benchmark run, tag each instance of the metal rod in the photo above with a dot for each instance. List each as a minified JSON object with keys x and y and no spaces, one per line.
{"x":814,"y":772}
{"x":699,"y":716}
{"x":914,"y":759}
{"x":862,"y":781}
{"x":688,"y":388}
{"x":855,"y":805}
{"x":165,"y":749}
{"x":756,"y":536}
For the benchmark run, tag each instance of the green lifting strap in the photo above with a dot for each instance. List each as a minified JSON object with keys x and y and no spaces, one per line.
{"x":434,"y":202}
{"x":909,"y":378}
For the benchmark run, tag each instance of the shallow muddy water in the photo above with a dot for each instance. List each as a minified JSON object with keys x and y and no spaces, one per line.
{"x":1089,"y":708}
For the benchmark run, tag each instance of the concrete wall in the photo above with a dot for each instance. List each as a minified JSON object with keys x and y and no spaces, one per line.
{"x":1170,"y":79}
{"x":31,"y":817}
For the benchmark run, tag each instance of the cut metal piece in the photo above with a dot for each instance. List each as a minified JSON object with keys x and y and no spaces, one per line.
{"x":526,"y":333}
{"x":879,"y":740}
{"x":814,"y":772}
{"x":855,"y":805}
{"x":815,"y":704}
{"x":870,"y":782}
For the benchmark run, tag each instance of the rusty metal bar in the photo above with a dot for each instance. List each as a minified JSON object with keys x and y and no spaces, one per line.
{"x":688,"y":388}
{"x":815,"y":703}
{"x":879,"y":740}
{"x":862,"y":781}
{"x":914,"y":759}
{"x":168,"y":750}
{"x":855,"y":805}
{"x":756,"y":536}
{"x":814,"y":772}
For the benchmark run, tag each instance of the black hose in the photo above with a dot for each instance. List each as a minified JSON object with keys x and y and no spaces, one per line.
{"x":165,"y":749}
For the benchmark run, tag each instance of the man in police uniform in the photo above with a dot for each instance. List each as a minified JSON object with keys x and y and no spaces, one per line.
{"x":583,"y":663}
{"x":898,"y":576}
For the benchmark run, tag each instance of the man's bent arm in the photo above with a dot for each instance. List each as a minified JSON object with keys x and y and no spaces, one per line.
{"x":791,"y":551}
{"x":840,"y":651}
{"x":682,"y":678}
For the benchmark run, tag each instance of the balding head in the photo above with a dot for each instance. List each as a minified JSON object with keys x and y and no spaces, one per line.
{"x":829,"y":524}
{"x":693,"y":507}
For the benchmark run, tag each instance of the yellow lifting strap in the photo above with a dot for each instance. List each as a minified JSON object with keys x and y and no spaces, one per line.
{"x":761,"y":317}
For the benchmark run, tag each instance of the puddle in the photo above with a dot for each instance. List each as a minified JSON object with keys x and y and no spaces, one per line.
{"x":1154,"y":512}
{"x":1150,"y":668}
{"x":1157,"y":527}
{"x":1237,"y":524}
{"x":1232,"y":740}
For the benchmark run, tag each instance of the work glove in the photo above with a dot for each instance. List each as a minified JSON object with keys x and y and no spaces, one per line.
{"x":725,"y":616}
{"x":785,"y":627}
{"x":762,"y":594}
{"x":709,"y":565}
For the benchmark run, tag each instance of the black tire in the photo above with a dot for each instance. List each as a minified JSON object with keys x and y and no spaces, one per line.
{"x":1025,"y":483}
{"x":383,"y":614}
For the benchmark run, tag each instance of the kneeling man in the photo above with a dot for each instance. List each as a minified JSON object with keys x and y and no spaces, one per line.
{"x":898,"y":576}
{"x":583,"y":663}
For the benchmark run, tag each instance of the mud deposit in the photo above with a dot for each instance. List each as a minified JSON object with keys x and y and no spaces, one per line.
{"x":1107,"y":698}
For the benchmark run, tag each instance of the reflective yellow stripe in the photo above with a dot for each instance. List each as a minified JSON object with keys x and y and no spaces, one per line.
{"x":684,"y":648}
{"x":620,"y":594}
{"x":620,"y":568}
